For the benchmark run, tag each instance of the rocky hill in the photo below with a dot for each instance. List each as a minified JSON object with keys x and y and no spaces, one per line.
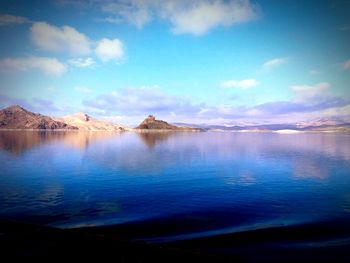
{"x":15,"y":117}
{"x":84,"y":122}
{"x":150,"y":123}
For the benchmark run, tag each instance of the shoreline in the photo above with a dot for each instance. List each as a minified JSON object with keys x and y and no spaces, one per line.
{"x":320,"y":242}
{"x":282,"y":132}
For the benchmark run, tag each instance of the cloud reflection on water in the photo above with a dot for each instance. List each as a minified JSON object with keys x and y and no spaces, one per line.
{"x":82,"y":176}
{"x":167,"y":149}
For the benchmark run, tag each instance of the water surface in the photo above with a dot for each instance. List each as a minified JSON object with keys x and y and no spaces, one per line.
{"x":200,"y":183}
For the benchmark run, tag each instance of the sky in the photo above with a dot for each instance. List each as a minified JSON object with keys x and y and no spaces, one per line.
{"x":203,"y":61}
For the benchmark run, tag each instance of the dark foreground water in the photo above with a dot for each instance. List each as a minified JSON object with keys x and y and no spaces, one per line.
{"x":184,"y":185}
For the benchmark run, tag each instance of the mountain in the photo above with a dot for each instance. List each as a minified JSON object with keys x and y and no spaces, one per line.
{"x":15,"y":117}
{"x":241,"y":127}
{"x":320,"y":123}
{"x":150,"y":123}
{"x":84,"y":122}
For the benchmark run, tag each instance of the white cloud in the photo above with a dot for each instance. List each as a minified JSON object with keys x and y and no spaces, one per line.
{"x":273,"y":63}
{"x":109,"y":49}
{"x":339,"y":111}
{"x":199,"y":17}
{"x":82,"y":89}
{"x":82,"y":62}
{"x":346,"y":64}
{"x":136,"y":103}
{"x":241,"y":84}
{"x":145,"y":100}
{"x":311,"y":93}
{"x":49,"y":66}
{"x":66,"y":38}
{"x":195,"y":17}
{"x":6,"y":19}
{"x":134,"y":12}
{"x":314,"y":72}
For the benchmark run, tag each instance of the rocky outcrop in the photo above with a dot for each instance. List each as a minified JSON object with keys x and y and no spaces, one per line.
{"x":15,"y":117}
{"x":84,"y":122}
{"x":150,"y":123}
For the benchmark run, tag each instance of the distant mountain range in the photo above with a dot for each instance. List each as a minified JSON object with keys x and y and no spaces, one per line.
{"x":16,"y":117}
{"x":314,"y":125}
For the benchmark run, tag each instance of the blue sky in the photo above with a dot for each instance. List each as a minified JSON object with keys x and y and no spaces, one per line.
{"x":210,"y":61}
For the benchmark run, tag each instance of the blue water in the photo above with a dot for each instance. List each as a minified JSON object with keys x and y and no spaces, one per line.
{"x":205,"y":182}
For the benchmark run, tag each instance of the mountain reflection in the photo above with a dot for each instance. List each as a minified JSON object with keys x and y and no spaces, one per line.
{"x":152,"y":138}
{"x":308,"y":154}
{"x":82,"y":140}
{"x":77,"y":178}
{"x":18,"y":142}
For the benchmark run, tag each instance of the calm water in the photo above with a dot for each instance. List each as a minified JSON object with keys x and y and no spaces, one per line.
{"x":205,"y":183}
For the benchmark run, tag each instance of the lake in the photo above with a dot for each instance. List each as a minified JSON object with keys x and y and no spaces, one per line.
{"x":182,"y":184}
